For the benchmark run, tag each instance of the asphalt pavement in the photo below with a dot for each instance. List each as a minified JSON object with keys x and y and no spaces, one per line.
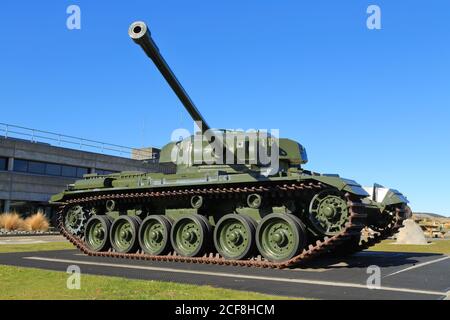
{"x":401,"y":275}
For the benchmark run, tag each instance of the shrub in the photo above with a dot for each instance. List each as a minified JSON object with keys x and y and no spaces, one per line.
{"x":37,"y":222}
{"x":11,"y":222}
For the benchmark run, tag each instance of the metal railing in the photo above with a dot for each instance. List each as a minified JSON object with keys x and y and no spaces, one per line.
{"x":65,"y":141}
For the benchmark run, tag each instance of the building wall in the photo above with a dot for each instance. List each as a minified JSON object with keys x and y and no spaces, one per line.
{"x":29,"y":191}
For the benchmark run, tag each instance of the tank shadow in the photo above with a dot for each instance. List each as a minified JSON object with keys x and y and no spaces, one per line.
{"x":365,"y":259}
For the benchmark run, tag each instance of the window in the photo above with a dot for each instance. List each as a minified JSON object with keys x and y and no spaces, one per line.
{"x":20,"y":165}
{"x":81,"y":172}
{"x":36,"y":167}
{"x":50,"y":169}
{"x":104,"y":172}
{"x":3,"y":164}
{"x":53,"y":169}
{"x":69,"y":171}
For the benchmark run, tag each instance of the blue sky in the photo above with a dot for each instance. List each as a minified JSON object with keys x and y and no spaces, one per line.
{"x":372,"y":105}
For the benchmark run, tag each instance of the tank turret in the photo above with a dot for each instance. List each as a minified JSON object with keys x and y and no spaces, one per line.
{"x":236,"y":150}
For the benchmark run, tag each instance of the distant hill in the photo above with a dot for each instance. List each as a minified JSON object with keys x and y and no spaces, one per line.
{"x":429,"y":215}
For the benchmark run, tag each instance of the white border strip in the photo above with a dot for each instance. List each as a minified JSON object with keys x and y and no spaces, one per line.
{"x":420,"y":265}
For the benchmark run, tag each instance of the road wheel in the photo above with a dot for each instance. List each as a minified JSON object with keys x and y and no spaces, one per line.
{"x":190,"y":235}
{"x":96,"y":233}
{"x":280,"y":237}
{"x":234,"y":236}
{"x":154,"y":235}
{"x":124,"y":234}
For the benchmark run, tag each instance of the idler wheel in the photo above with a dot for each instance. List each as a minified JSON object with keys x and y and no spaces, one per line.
{"x":75,"y":220}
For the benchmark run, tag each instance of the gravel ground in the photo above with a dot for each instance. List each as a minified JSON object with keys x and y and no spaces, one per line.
{"x":6,"y":233}
{"x":27,"y":239}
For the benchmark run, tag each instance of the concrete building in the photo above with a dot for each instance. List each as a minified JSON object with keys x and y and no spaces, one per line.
{"x":145,"y":153}
{"x":31,"y":171}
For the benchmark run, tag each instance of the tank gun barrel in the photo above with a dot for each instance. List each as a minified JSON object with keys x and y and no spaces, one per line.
{"x":139,"y":32}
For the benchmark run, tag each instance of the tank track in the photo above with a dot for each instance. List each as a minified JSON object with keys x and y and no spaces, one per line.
{"x":357,"y":221}
{"x":402,"y":212}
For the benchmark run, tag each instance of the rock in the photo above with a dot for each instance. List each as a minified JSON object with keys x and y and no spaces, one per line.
{"x":411,"y":233}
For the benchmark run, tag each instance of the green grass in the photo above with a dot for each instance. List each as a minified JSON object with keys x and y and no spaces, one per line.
{"x":26,"y":283}
{"x":5,"y":248}
{"x":29,"y":284}
{"x":440,"y":246}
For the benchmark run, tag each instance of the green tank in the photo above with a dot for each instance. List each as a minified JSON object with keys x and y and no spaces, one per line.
{"x":223,"y":202}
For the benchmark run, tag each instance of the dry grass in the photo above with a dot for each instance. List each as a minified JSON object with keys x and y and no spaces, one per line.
{"x":437,"y":247}
{"x":37,"y":222}
{"x":11,"y":222}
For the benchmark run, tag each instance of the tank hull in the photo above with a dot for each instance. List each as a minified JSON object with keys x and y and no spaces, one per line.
{"x":216,"y":196}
